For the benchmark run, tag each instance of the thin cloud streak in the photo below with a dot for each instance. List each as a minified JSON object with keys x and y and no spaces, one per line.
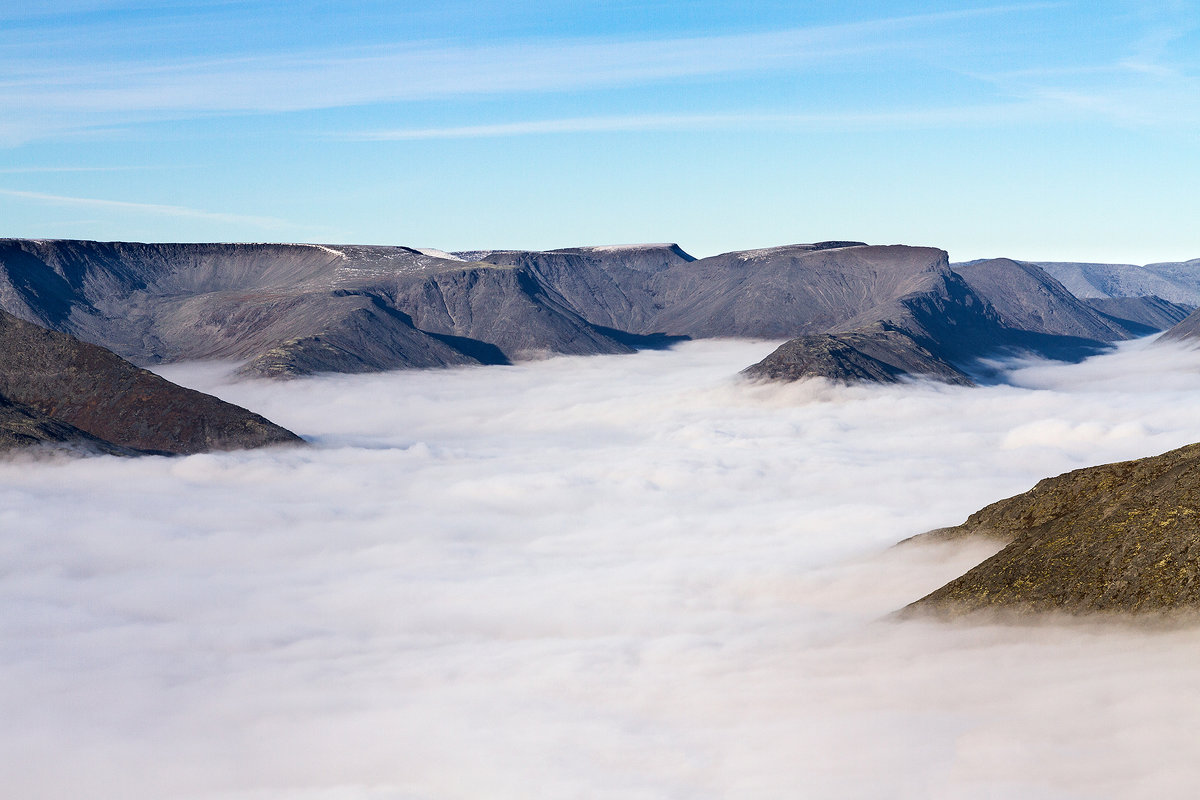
{"x":147,"y":208}
{"x":413,"y":71}
{"x":39,"y":170}
{"x":969,"y":115}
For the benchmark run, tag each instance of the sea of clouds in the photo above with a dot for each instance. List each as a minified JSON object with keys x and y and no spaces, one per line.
{"x":609,"y":577}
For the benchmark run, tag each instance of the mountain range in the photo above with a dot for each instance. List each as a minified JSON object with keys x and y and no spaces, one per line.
{"x":850,"y":311}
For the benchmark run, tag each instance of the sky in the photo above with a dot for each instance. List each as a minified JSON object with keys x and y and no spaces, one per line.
{"x":1041,"y":130}
{"x":629,"y":577}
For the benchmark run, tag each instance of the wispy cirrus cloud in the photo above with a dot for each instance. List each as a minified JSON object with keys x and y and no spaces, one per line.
{"x":965,"y":115}
{"x":92,"y":91}
{"x":66,"y":169}
{"x":155,"y":209}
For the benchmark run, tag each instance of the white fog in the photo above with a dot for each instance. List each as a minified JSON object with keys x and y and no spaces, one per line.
{"x":612,"y":577}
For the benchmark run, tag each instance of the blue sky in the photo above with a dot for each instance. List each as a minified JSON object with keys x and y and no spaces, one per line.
{"x":1042,"y":130}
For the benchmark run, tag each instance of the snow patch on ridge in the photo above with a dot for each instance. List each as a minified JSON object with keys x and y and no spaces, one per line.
{"x":338,"y":253}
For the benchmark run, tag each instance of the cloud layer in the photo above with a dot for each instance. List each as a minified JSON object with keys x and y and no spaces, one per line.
{"x":629,"y":577}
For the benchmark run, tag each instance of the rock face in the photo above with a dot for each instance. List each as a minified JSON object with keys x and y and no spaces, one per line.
{"x":55,"y":388}
{"x":1120,"y":537}
{"x":1176,"y":282}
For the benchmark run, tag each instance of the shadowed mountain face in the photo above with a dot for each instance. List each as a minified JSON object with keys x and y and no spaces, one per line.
{"x":946,"y":322}
{"x":1029,"y":299}
{"x":607,"y":286}
{"x":1118,"y":537}
{"x":788,"y":291}
{"x":56,"y":389}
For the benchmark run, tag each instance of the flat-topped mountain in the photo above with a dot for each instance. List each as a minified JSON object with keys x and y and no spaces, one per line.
{"x":1117,"y":537}
{"x":290,"y":309}
{"x":788,"y":291}
{"x":56,"y":389}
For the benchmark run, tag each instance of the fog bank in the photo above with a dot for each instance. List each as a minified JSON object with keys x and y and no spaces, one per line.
{"x":618,"y":577}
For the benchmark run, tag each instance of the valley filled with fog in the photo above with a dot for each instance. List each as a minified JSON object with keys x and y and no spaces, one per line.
{"x":630,"y":576}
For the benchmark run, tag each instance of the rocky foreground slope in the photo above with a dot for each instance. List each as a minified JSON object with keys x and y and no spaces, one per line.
{"x":1119,"y":537}
{"x":56,"y":390}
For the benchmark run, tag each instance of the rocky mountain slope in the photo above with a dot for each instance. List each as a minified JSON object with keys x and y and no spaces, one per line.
{"x":1187,"y":331}
{"x":23,"y":427}
{"x":56,"y":389}
{"x":1030,"y":299}
{"x":942,"y":327}
{"x":1176,"y":282}
{"x":1145,"y":314}
{"x":1119,"y":537}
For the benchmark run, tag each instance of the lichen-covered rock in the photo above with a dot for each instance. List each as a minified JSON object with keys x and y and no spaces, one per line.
{"x":1121,"y":537}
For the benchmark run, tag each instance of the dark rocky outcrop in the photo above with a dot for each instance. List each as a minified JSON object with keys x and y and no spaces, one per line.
{"x":55,"y":388}
{"x":24,"y":428}
{"x":1121,"y":537}
{"x":880,"y":353}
